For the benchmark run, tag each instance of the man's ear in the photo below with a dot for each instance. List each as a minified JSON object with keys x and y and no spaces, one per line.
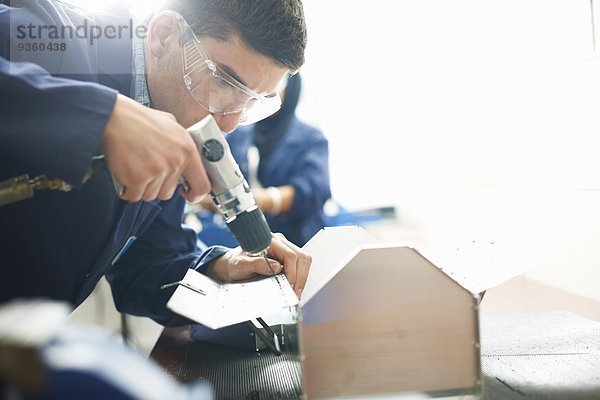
{"x":163,"y":32}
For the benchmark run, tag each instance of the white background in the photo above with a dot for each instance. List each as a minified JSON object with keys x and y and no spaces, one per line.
{"x":477,"y":119}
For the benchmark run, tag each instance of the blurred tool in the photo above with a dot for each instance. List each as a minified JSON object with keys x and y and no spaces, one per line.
{"x":44,"y":355}
{"x":22,"y":187}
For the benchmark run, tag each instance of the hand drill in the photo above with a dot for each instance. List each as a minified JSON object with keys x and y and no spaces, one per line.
{"x":230,"y":191}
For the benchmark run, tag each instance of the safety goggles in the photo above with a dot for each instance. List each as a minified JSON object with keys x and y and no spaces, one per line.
{"x":216,"y":90}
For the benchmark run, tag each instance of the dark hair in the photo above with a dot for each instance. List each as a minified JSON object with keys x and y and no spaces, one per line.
{"x":275,"y":28}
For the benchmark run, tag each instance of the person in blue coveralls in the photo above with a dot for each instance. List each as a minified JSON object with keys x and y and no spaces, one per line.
{"x":76,"y":85}
{"x":286,"y":162}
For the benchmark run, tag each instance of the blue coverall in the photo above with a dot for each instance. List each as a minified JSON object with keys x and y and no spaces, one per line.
{"x":301,"y":159}
{"x":58,"y":245}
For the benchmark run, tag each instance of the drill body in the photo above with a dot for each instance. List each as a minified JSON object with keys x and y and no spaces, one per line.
{"x":230,"y":190}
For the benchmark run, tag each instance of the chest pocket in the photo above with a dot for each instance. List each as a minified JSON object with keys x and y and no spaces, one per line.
{"x":133,"y":221}
{"x":132,"y":224}
{"x":145,"y":216}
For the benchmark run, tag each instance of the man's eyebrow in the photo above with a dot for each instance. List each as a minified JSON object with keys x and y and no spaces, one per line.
{"x":234,"y":75}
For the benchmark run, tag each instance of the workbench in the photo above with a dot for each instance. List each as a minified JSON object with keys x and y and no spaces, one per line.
{"x":543,"y":354}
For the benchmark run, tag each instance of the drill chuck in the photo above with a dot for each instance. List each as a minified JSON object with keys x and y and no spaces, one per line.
{"x":251,"y":231}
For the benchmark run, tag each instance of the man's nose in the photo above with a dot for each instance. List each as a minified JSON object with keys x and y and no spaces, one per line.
{"x":227,"y":123}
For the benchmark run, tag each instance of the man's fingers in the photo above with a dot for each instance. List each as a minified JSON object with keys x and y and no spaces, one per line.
{"x":168,"y":187}
{"x":284,"y":257}
{"x":302,"y":265}
{"x":168,"y":115}
{"x":148,"y":151}
{"x":263,"y":267}
{"x":236,"y":265}
{"x":133,"y":192}
{"x":281,"y":250}
{"x":196,"y":177}
{"x":152,"y":190}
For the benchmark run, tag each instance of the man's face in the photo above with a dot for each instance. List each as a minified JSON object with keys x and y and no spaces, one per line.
{"x":165,"y":74}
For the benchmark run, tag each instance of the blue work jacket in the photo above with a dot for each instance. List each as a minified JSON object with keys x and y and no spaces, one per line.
{"x":58,"y":245}
{"x":300,"y":159}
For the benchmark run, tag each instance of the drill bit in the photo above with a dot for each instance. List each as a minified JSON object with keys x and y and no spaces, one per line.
{"x":273,"y":272}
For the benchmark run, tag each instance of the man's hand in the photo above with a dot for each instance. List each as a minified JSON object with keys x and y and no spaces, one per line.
{"x":285,"y":256}
{"x":148,"y":151}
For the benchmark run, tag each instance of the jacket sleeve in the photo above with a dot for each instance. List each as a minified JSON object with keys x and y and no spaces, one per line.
{"x":310,"y":178}
{"x":162,"y":254}
{"x":52,"y":124}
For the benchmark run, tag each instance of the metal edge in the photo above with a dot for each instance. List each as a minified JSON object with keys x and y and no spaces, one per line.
{"x":479,"y":379}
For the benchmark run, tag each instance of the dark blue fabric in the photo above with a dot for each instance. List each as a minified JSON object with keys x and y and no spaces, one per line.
{"x":58,"y":245}
{"x":84,"y":363}
{"x":301,"y":159}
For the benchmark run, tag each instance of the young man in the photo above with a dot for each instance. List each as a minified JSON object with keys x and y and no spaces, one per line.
{"x":58,"y":245}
